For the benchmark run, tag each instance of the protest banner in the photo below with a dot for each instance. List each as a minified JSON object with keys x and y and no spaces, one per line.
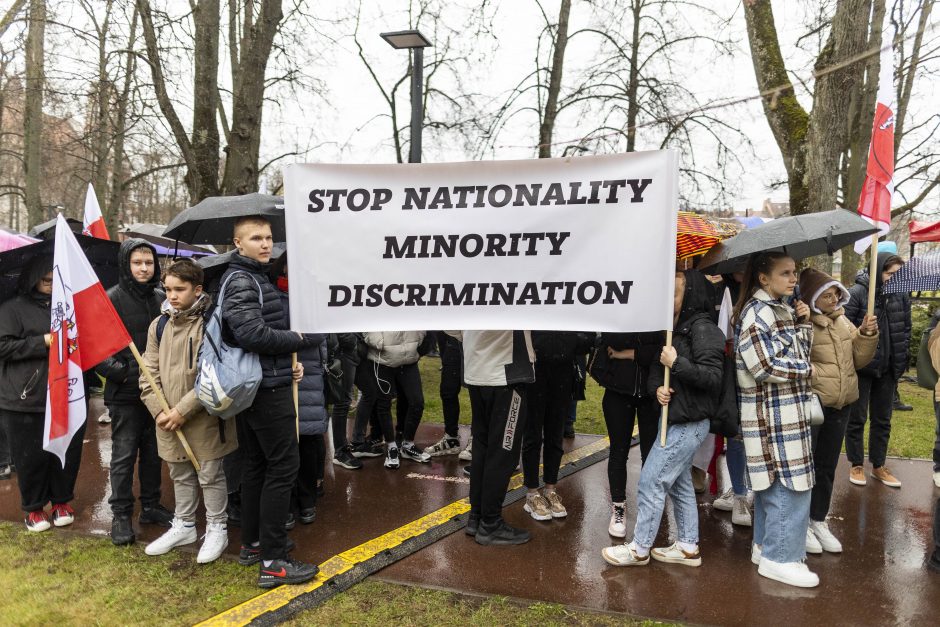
{"x":585,"y":243}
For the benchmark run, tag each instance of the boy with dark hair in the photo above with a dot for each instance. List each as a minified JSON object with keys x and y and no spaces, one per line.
{"x":173,"y":342}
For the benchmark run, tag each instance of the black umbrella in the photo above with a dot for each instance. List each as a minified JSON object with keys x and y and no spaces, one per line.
{"x":213,"y":219}
{"x":101,"y":253}
{"x":214,"y":267}
{"x":46,"y":230}
{"x":153,"y":233}
{"x":800,"y":236}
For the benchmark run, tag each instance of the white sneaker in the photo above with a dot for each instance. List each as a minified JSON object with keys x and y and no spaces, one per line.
{"x":445,"y":446}
{"x":812,"y":544}
{"x":827,"y":541}
{"x":617,"y":528}
{"x":391,"y":458}
{"x":936,"y":478}
{"x":467,"y":454}
{"x":793,"y":573}
{"x":741,"y":512}
{"x":215,"y":541}
{"x":104,"y":418}
{"x":624,"y":555}
{"x":675,"y":555}
{"x":756,"y":554}
{"x":179,"y":534}
{"x":725,"y":502}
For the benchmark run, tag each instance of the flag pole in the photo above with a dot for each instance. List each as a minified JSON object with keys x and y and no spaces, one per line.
{"x":664,"y":421}
{"x":295,"y":390}
{"x":166,"y":406}
{"x":873,"y":269}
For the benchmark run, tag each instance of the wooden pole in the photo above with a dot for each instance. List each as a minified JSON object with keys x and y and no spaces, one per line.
{"x":664,"y":421}
{"x":295,"y":389}
{"x":872,"y":279}
{"x":163,"y":403}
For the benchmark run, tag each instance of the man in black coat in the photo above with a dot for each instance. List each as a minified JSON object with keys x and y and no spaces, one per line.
{"x":254,"y":319}
{"x":137,"y":299}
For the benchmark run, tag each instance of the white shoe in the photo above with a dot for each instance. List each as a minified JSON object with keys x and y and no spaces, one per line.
{"x":104,"y":418}
{"x":214,"y":543}
{"x":467,"y":454}
{"x":617,"y":528}
{"x":812,"y":544}
{"x":624,"y":555}
{"x":793,"y":573}
{"x":445,"y":446}
{"x":725,"y":502}
{"x":741,"y":512}
{"x":675,"y":555}
{"x":179,"y":534}
{"x":827,"y":541}
{"x":936,"y":479}
{"x":755,"y":554}
{"x":537,"y":506}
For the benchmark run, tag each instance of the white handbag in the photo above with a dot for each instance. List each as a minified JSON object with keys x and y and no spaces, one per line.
{"x":814,"y":410}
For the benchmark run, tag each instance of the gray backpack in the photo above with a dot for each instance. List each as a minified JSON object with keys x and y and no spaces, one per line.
{"x":229,"y":376}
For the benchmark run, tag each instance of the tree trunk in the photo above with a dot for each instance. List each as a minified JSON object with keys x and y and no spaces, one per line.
{"x":32,"y":115}
{"x":117,"y":168}
{"x":100,"y":150}
{"x":633,"y":87}
{"x":205,"y":135}
{"x":241,"y":161}
{"x":547,"y":126}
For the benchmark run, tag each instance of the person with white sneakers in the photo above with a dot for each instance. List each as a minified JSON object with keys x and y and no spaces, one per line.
{"x":173,"y":342}
{"x":696,"y":360}
{"x":933,"y":346}
{"x":839,"y":349}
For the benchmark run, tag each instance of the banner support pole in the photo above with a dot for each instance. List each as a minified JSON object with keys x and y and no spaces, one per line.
{"x":664,"y":420}
{"x":295,"y":391}
{"x":872,"y":279}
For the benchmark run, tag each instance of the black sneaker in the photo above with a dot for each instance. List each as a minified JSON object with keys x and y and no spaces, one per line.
{"x":473,"y":524}
{"x":249,"y":555}
{"x":308,"y":515}
{"x":500,"y":534}
{"x":900,"y":405}
{"x":367,"y":449}
{"x":234,"y":512}
{"x":122,"y":532}
{"x":415,"y":453}
{"x":156,"y":515}
{"x":285,"y":571}
{"x":569,"y":431}
{"x":345,"y":458}
{"x":391,"y":459}
{"x":291,"y":522}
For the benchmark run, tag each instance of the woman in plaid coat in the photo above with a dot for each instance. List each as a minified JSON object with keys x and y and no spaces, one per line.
{"x":774,"y":376}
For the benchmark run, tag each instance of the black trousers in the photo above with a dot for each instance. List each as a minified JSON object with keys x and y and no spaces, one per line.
{"x":549,"y":402}
{"x":40,"y":474}
{"x":936,"y":444}
{"x":827,"y":445}
{"x":5,"y":456}
{"x":621,"y":413}
{"x":875,"y":403}
{"x":451,"y":382}
{"x":311,"y":453}
{"x":133,"y":443}
{"x":372,"y":390}
{"x":498,"y":420}
{"x":339,"y":413}
{"x":267,"y":433}
{"x":233,"y":465}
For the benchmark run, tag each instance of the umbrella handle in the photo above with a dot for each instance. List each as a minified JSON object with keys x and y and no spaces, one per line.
{"x":664,"y":420}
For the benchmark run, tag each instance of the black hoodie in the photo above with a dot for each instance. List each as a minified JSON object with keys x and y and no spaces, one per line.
{"x":698,"y":369}
{"x":137,"y":304}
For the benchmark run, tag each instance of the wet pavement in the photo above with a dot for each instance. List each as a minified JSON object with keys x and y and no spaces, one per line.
{"x":879,"y":579}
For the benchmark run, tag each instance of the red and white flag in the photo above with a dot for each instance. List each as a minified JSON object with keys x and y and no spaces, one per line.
{"x":874,"y":204}
{"x":85,"y":330}
{"x":93,"y":222}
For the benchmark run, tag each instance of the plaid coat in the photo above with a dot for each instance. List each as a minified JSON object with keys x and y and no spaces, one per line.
{"x":773,"y":386}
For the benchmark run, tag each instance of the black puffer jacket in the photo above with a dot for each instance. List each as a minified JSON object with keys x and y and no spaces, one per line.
{"x":259,"y":327}
{"x":559,"y":346}
{"x":137,"y":304}
{"x":311,"y":392}
{"x":894,"y":323}
{"x":629,"y":375}
{"x":698,"y":369}
{"x":24,"y":357}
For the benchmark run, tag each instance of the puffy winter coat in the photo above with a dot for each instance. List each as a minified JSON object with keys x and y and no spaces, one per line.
{"x":630,"y":375}
{"x":259,"y":327}
{"x":137,"y":304}
{"x":697,"y":371}
{"x":394,"y":348}
{"x":838,"y":351}
{"x":311,"y":393}
{"x":560,"y":346}
{"x":173,"y":360}
{"x":894,"y":324}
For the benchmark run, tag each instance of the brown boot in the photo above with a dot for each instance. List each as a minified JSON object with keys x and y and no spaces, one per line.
{"x":884,"y":476}
{"x":857,"y":475}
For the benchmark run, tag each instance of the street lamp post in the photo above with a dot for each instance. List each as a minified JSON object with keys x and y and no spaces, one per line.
{"x":416,"y":42}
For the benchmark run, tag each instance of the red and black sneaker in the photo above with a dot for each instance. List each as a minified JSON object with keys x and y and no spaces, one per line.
{"x":285,"y":571}
{"x":62,"y":514}
{"x":37,"y":521}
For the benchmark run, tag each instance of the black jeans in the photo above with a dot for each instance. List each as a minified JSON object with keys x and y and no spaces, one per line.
{"x":304,"y":495}
{"x":936,"y":444}
{"x":40,"y":474}
{"x":498,"y":420}
{"x":267,"y":433}
{"x":621,"y":413}
{"x":549,"y":402}
{"x":369,"y":404}
{"x":233,"y":465}
{"x":339,"y":413}
{"x":5,"y":458}
{"x":827,"y":445}
{"x":383,"y":384}
{"x":133,"y":442}
{"x":451,"y":381}
{"x":875,"y":403}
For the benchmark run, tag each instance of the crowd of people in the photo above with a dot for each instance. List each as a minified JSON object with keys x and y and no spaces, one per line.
{"x":763,"y":401}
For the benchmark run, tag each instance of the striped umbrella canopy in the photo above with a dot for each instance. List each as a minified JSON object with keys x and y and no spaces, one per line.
{"x":920,"y":274}
{"x":695,"y":234}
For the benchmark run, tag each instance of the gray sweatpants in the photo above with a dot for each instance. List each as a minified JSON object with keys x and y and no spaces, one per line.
{"x":186,"y":484}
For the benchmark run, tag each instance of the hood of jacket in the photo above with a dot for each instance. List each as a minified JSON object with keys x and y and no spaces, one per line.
{"x":698,"y":298}
{"x":126,"y":279}
{"x":863,"y":279}
{"x":248,"y":264}
{"x":814,"y":282}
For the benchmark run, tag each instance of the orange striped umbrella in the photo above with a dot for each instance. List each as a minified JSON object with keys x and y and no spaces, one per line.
{"x":695,"y":234}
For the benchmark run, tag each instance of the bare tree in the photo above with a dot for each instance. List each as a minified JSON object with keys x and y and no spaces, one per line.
{"x":32,"y":118}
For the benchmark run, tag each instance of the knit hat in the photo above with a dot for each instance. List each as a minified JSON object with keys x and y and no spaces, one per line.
{"x":813,"y":283}
{"x":888,"y":247}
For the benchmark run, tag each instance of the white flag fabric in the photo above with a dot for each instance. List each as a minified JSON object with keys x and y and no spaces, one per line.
{"x":93,"y":222}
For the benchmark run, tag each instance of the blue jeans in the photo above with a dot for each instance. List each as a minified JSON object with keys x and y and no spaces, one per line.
{"x":781,"y":517}
{"x":668,"y":470}
{"x":737,"y":465}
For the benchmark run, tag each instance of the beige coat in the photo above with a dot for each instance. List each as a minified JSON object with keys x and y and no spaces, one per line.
{"x":174,"y":362}
{"x":933,"y":346}
{"x":838,"y":351}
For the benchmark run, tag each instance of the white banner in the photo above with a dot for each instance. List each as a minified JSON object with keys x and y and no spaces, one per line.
{"x":583,"y":243}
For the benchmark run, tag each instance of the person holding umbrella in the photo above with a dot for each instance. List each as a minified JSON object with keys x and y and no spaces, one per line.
{"x":773,"y":346}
